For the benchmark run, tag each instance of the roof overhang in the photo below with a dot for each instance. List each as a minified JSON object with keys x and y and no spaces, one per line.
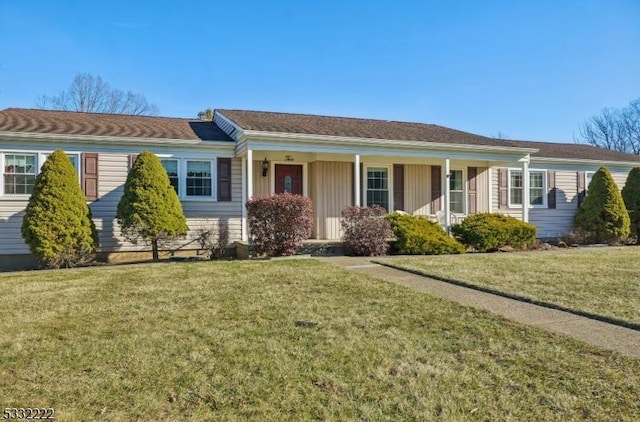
{"x":110,"y":140}
{"x":585,"y":161}
{"x":252,"y":139}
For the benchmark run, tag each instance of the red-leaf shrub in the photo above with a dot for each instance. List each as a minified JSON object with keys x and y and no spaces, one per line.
{"x":365,"y":231}
{"x":279,"y":223}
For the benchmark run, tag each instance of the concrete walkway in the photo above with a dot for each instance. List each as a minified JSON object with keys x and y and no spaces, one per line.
{"x":597,"y":333}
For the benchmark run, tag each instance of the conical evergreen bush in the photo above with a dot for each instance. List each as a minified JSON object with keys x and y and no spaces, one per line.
{"x":603,"y":215}
{"x":57,"y":223}
{"x":149,"y":208}
{"x":631,"y":197}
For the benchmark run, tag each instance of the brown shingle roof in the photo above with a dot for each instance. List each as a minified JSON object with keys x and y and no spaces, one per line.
{"x":393,"y":130}
{"x":352,"y":127}
{"x":114,"y":125}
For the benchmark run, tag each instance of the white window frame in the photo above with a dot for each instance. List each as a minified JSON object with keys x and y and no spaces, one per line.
{"x":179,"y":166}
{"x":41,"y":156}
{"x":545,"y":189}
{"x":464,"y":190}
{"x":587,"y":181}
{"x":182,"y":176}
{"x":365,"y":184}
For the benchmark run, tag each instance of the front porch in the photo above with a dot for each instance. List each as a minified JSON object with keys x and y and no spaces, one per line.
{"x":444,"y":187}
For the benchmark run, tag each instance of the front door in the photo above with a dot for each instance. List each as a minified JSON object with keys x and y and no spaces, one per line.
{"x":289,"y":178}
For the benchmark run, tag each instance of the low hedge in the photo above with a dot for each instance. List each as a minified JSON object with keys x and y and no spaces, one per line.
{"x":419,"y":236}
{"x":491,"y":231}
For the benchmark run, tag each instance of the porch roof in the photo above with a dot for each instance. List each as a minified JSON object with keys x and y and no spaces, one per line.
{"x":329,"y":128}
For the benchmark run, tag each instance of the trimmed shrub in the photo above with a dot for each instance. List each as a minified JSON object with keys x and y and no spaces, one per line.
{"x":279,"y":223}
{"x":419,"y":236}
{"x":149,"y":208}
{"x":57,"y":223}
{"x":365,"y":231}
{"x":491,"y":231}
{"x":631,"y":197}
{"x":603,"y":214}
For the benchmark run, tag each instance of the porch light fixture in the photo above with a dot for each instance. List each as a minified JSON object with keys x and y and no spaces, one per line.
{"x":265,"y":167}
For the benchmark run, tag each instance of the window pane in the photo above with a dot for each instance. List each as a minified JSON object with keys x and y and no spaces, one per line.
{"x":171,"y":166}
{"x":455,"y":181}
{"x":198,"y":178}
{"x":19,"y":174}
{"x":516,"y":196}
{"x":457,"y":202}
{"x":378,"y":187}
{"x":536,"y":179}
{"x":536,"y":196}
{"x":516,"y":179}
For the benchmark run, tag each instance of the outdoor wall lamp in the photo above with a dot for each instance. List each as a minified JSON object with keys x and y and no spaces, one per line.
{"x":265,"y":167}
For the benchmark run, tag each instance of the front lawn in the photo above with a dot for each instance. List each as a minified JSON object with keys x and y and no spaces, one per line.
{"x":602,"y":281}
{"x":218,"y":341}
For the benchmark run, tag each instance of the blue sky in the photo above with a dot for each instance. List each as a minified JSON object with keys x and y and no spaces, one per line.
{"x":521,"y":69}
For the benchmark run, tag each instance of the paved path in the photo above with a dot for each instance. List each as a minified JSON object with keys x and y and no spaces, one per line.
{"x":597,"y":333}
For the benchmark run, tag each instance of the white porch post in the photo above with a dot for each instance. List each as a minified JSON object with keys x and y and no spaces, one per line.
{"x":447,"y":195}
{"x":244,"y":233}
{"x":525,"y":189}
{"x":356,"y":180}
{"x":249,"y":176}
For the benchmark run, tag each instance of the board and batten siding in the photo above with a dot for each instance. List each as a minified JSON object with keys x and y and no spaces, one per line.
{"x":482,"y":186}
{"x":331,"y":191}
{"x":417,"y":189}
{"x":261,"y":185}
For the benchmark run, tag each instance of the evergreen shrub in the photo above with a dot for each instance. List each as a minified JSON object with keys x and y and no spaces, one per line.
{"x":486,"y":232}
{"x":279,"y":223}
{"x":631,"y":197}
{"x":365,"y":231}
{"x":150,"y":208}
{"x":418,"y":236}
{"x":57,"y":224}
{"x":603,"y":214}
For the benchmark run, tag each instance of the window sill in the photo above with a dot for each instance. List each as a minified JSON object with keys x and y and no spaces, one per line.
{"x":519,"y":207}
{"x":197,"y":199}
{"x":15,"y":197}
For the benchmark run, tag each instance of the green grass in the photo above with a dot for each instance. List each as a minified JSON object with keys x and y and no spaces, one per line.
{"x":601,"y":281}
{"x":218,"y":341}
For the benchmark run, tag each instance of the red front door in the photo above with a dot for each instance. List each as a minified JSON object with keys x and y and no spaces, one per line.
{"x":289,"y":178}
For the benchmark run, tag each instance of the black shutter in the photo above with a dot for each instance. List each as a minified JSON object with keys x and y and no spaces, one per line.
{"x":398,"y":187}
{"x":436,"y":189}
{"x":224,"y":179}
{"x":90,"y":175}
{"x":551,"y":189}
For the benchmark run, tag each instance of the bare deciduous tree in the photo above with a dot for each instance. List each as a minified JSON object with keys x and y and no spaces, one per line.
{"x":206,"y":114}
{"x":615,"y":129}
{"x":91,"y":94}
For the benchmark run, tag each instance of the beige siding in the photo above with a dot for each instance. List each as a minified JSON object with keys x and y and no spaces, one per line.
{"x":482,"y":185}
{"x":11,"y":213}
{"x":261,"y":185}
{"x":331,"y":190}
{"x":558,"y":221}
{"x":620,"y":178}
{"x":113,"y":170}
{"x":417,"y":189}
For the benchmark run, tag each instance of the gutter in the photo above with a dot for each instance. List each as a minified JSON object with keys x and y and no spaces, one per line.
{"x":254,"y":135}
{"x":585,"y":161}
{"x":110,"y":140}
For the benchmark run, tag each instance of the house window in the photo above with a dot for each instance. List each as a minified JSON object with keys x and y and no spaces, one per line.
{"x":199,"y":178}
{"x":171,"y":166}
{"x":19,"y":174}
{"x":456,"y":192}
{"x":378,"y":187}
{"x":73,"y":157}
{"x":588,"y":176}
{"x":537,"y":188}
